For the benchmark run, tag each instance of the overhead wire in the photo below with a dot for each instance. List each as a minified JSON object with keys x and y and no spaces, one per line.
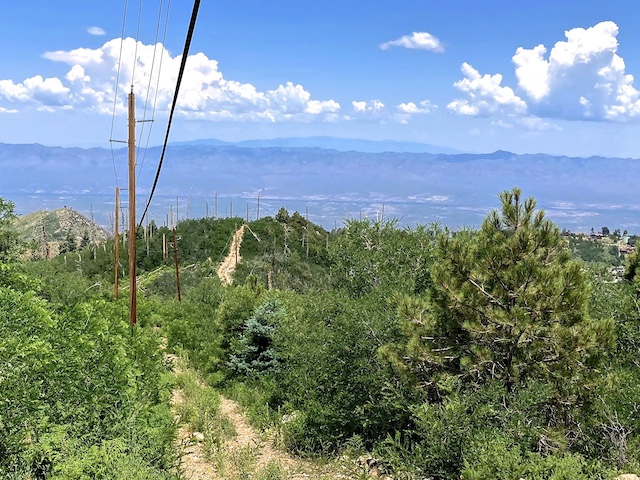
{"x":185,"y":54}
{"x":155,"y":99}
{"x":146,"y":99}
{"x":135,"y":50}
{"x":115,"y":93}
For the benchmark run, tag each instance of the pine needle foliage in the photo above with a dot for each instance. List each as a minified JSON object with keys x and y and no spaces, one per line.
{"x":507,"y":304}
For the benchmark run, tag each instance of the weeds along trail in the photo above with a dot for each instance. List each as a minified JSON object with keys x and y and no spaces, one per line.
{"x":216,"y":442}
{"x":228,"y":265}
{"x":267,"y":457}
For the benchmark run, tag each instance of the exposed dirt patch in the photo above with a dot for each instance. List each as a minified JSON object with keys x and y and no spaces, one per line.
{"x":193,"y":462}
{"x":246,"y":436}
{"x":227,"y":463}
{"x":228,"y":265}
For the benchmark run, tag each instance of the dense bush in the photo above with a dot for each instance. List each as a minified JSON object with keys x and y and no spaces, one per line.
{"x":80,"y":394}
{"x":372,"y":256}
{"x":254,"y":353}
{"x":334,"y":383}
{"x":276,"y":250}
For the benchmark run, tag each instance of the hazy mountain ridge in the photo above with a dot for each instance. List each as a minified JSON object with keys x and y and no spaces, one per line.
{"x":330,"y":143}
{"x":456,"y":189}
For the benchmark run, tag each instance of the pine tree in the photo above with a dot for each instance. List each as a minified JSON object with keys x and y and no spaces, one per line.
{"x":69,"y":244}
{"x":85,"y":240}
{"x":255,"y":355}
{"x":9,"y":240}
{"x":507,"y":303}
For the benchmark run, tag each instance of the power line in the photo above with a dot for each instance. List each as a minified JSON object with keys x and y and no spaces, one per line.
{"x":135,"y":50}
{"x":146,"y":99}
{"x":185,"y":53}
{"x":115,"y":93}
{"x":155,"y":99}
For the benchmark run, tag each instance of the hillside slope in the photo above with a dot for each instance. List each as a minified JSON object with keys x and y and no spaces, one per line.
{"x":58,"y":225}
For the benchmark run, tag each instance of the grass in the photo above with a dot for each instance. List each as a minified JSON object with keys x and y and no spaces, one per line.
{"x":199,"y":407}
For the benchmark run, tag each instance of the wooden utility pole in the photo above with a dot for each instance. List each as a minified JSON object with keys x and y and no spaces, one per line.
{"x":45,"y":243}
{"x":215,"y":206}
{"x":307,"y":217}
{"x":247,"y":213}
{"x":164,"y":247}
{"x":123,"y":225}
{"x":116,"y":246}
{"x":133,"y":298}
{"x":206,"y":207}
{"x":147,"y":233}
{"x":258,"y":212}
{"x":175,"y":256}
{"x":230,"y":209}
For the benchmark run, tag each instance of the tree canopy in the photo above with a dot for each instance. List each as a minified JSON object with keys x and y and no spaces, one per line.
{"x":506,"y":303}
{"x":9,"y":241}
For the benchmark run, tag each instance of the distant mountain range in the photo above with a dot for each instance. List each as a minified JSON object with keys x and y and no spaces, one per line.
{"x":331,"y":143}
{"x":455,"y":189}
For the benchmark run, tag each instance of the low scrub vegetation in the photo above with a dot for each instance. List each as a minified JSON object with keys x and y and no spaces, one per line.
{"x":495,"y":353}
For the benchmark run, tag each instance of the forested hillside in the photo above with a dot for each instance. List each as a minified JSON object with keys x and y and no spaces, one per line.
{"x":497,"y":353}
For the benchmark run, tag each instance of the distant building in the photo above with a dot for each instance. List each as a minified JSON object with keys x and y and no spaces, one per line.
{"x":626,"y":249}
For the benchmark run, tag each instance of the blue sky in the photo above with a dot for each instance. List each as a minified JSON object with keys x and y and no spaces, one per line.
{"x":464,"y":74}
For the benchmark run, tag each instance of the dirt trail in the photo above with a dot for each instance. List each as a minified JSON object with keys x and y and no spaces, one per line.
{"x":246,"y":436}
{"x":193,"y":462}
{"x":228,"y":265}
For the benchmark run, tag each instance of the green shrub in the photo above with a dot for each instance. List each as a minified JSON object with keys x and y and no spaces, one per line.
{"x":493,"y":455}
{"x":327,"y":347}
{"x":79,"y":391}
{"x":254,"y":354}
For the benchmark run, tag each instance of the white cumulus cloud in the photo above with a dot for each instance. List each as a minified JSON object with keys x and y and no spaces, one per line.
{"x":582,"y":77}
{"x":372,"y":106}
{"x":417,"y":40}
{"x":411,"y":108}
{"x":204,"y":94}
{"x":96,"y":31}
{"x":406,"y":110}
{"x":485,"y":95}
{"x":529,"y":122}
